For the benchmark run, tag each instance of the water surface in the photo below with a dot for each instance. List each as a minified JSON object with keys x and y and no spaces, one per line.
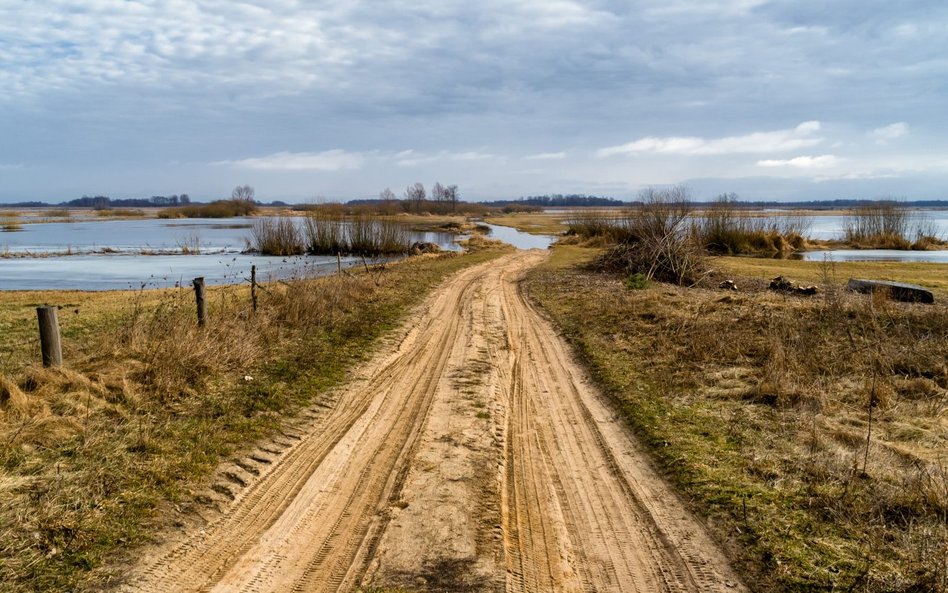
{"x":132,"y":254}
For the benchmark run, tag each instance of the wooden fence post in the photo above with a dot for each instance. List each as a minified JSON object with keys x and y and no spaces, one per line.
{"x":201,"y":304}
{"x":253,"y":287}
{"x":50,"y":345}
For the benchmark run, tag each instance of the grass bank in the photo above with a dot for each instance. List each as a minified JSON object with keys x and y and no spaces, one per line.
{"x":148,"y":403}
{"x":807,"y":431}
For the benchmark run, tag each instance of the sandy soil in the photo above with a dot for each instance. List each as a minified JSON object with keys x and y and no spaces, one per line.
{"x":471,"y":456}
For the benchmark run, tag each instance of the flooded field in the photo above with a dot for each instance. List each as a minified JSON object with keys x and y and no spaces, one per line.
{"x":154,"y":253}
{"x":151,"y":253}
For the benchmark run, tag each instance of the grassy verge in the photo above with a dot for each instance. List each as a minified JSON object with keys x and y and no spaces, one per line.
{"x":149,"y":404}
{"x":808,"y":432}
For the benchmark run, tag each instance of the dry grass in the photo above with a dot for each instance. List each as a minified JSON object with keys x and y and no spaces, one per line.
{"x":930,"y":275}
{"x":809,"y":431}
{"x":119,"y":213}
{"x":149,"y":403}
{"x":218,"y":209}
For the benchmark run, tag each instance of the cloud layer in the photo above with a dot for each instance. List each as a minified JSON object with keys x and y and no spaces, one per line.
{"x":504,"y":97}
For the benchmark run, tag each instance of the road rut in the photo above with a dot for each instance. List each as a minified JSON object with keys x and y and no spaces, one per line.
{"x":471,"y":456}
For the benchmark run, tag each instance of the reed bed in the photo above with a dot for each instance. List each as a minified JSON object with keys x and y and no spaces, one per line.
{"x":325,"y":233}
{"x":726,"y":229}
{"x":277,"y":236}
{"x":377,"y":236}
{"x":331,"y":234}
{"x":888,"y":225}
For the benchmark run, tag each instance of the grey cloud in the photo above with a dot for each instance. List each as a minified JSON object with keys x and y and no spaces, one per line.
{"x":273,"y":87}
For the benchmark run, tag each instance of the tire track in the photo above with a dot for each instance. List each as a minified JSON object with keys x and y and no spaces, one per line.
{"x":309,"y":523}
{"x":618,"y":526}
{"x":573,"y":506}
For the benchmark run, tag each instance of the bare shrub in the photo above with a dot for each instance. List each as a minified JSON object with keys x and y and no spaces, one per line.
{"x":654,"y":239}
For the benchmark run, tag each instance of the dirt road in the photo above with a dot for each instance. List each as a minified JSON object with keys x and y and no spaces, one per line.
{"x":470,"y":456}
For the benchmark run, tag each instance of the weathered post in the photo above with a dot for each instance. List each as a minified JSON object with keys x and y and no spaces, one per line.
{"x":49,"y":336}
{"x":201,"y":304}
{"x":253,"y":287}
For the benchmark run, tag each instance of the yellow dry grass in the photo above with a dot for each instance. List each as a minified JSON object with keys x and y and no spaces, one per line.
{"x":930,"y":275}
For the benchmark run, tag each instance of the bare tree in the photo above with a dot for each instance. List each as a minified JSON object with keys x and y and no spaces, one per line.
{"x":243,"y":193}
{"x":451,"y":194}
{"x":387,"y":195}
{"x":415,"y":194}
{"x":438,"y":192}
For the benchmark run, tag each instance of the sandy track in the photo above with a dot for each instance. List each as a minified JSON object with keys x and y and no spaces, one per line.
{"x":473,"y":457}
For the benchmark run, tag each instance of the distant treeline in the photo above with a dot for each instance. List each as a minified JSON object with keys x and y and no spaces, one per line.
{"x":545,"y":201}
{"x":558,"y":201}
{"x":106,"y":203}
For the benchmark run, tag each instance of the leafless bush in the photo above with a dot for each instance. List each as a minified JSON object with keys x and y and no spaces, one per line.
{"x":654,"y":239}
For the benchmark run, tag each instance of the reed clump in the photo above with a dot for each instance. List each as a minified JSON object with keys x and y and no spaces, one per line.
{"x":889,"y":225}
{"x":325,"y":232}
{"x":331,"y":234}
{"x":726,"y":229}
{"x":10,"y":225}
{"x":377,"y":236}
{"x":591,"y":222}
{"x":277,"y":236}
{"x":883,"y":225}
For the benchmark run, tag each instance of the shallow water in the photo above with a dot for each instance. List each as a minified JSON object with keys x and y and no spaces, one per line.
{"x":123,"y":272}
{"x":519,"y":239}
{"x":876,"y":255}
{"x":126,"y":267}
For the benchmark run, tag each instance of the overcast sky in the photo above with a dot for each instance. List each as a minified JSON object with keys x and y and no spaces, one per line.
{"x":785,"y":99}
